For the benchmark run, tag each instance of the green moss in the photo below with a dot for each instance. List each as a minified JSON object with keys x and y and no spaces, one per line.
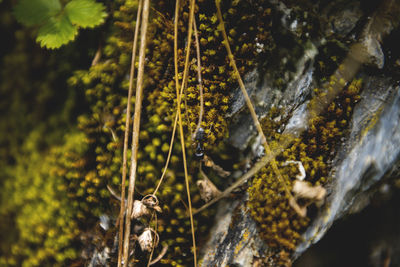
{"x":216,"y":74}
{"x":280,"y":226}
{"x":46,"y":225}
{"x":38,"y":226}
{"x":106,"y":87}
{"x":67,"y":176}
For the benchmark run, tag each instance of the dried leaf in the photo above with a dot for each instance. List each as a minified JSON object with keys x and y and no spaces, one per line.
{"x":302,"y":175}
{"x":207,"y":190}
{"x":302,"y":189}
{"x":151,"y":202}
{"x":145,"y":240}
{"x":301,"y":211}
{"x":208,"y":162}
{"x":139,"y":210}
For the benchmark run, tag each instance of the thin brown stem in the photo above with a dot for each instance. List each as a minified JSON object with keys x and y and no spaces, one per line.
{"x":126,"y":136}
{"x":171,"y":144}
{"x":136,"y":126}
{"x":346,"y":71}
{"x":187,"y":113}
{"x":248,"y":101}
{"x":97,"y":56}
{"x":178,"y":95}
{"x":258,"y":166}
{"x":155,"y":241}
{"x":178,"y":103}
{"x":160,"y":256}
{"x":199,"y":79}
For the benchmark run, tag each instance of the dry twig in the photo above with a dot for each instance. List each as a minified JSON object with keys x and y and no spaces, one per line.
{"x":126,"y":135}
{"x":171,"y":144}
{"x":199,"y":79}
{"x":160,"y":256}
{"x":136,"y":126}
{"x":178,"y":95}
{"x":248,"y":101}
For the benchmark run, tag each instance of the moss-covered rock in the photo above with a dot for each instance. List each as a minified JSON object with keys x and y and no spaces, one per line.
{"x":280,"y":226}
{"x":106,"y":87}
{"x":58,"y":169}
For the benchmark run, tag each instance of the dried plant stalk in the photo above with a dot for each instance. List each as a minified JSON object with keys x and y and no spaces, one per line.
{"x":160,"y":256}
{"x":171,"y":144}
{"x":178,"y":95}
{"x":126,"y":135}
{"x":248,"y":101}
{"x":136,"y":127}
{"x":199,"y":79}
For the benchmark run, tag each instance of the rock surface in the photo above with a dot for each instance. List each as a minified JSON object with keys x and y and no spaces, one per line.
{"x":366,"y":159}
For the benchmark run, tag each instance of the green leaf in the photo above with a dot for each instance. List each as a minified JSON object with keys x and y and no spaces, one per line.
{"x":85,"y":13}
{"x":56,"y":32}
{"x":32,"y":12}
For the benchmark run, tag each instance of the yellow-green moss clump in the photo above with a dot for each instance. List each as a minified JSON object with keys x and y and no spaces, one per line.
{"x":218,"y":80}
{"x":38,"y":225}
{"x":106,"y":85}
{"x":56,"y":186}
{"x":280,"y":226}
{"x":45,"y":229}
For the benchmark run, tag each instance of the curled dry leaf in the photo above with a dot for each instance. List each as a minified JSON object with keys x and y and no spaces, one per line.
{"x":301,"y":211}
{"x":145,"y":207}
{"x":302,"y":175}
{"x":139,"y":210}
{"x":316,"y":194}
{"x":207,"y":189}
{"x":145,"y":240}
{"x":208,"y":162}
{"x":303,"y":190}
{"x":151,"y":202}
